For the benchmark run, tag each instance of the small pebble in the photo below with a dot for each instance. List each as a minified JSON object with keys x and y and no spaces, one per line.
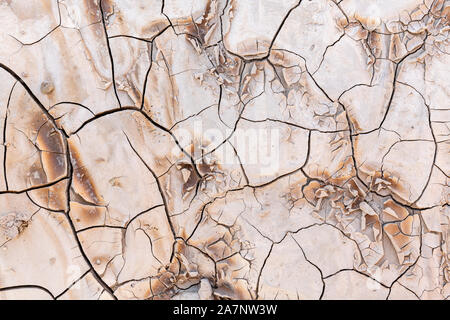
{"x":47,"y":87}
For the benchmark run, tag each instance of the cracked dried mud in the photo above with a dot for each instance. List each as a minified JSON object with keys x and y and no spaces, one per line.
{"x":224,"y":149}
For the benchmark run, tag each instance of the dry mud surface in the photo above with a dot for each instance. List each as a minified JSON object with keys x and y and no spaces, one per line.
{"x":224,"y":149}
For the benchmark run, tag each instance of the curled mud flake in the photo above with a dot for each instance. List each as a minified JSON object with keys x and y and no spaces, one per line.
{"x":393,"y":211}
{"x":190,"y":177}
{"x":370,"y":217}
{"x":369,"y":23}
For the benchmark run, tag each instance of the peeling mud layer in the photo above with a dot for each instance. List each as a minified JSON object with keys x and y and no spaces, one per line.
{"x":224,"y":149}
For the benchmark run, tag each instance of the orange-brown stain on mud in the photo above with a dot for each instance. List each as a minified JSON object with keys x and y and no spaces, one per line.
{"x":397,"y":237}
{"x":353,"y":183}
{"x":339,"y":177}
{"x":384,"y":182}
{"x":220,"y":248}
{"x":342,"y":23}
{"x":231,"y":286}
{"x":309,"y":190}
{"x":93,"y":9}
{"x":53,"y":156}
{"x":439,"y":9}
{"x":115,"y":182}
{"x":399,"y":211}
{"x":393,"y":182}
{"x":134,"y":92}
{"x":85,"y":216}
{"x":376,"y":176}
{"x":192,"y":180}
{"x":406,"y":226}
{"x":47,"y":5}
{"x":154,"y":28}
{"x":446,"y":14}
{"x":205,"y":168}
{"x":375,"y":40}
{"x":162,"y":286}
{"x":199,"y":30}
{"x":160,"y":98}
{"x":356,"y":127}
{"x":296,"y":188}
{"x":53,"y":197}
{"x":23,"y":225}
{"x":37,"y":174}
{"x":82,"y":182}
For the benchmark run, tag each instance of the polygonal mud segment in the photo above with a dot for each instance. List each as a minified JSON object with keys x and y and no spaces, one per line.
{"x":351,"y":285}
{"x":406,"y":165}
{"x":268,"y":150}
{"x":148,"y":245}
{"x":419,"y":156}
{"x":30,"y":22}
{"x":436,"y":69}
{"x":344,"y":65}
{"x":86,"y":288}
{"x":132,"y":61}
{"x":367,"y":114}
{"x":52,"y":198}
{"x":176,"y":80}
{"x":408,"y":116}
{"x":57,"y":258}
{"x":103,"y":173}
{"x":371,"y":16}
{"x":16,"y":211}
{"x":399,"y":292}
{"x":315,"y":25}
{"x":328,"y":248}
{"x":287,"y":213}
{"x":104,"y":248}
{"x":32,"y":140}
{"x":67,"y":63}
{"x":31,"y":293}
{"x":305,"y":280}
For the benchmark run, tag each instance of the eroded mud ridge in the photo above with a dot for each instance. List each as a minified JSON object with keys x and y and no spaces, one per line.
{"x":224,"y":149}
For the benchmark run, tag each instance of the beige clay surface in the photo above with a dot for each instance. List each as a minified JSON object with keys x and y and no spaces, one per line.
{"x":224,"y":149}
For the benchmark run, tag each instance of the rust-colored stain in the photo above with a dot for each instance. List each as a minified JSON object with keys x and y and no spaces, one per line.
{"x":53,"y":156}
{"x":82,"y":181}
